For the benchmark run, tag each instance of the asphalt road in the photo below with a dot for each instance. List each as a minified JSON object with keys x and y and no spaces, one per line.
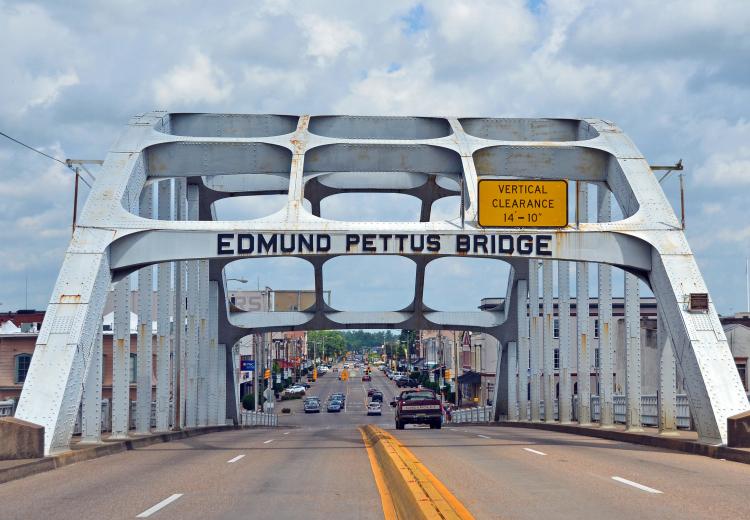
{"x":315,"y":466}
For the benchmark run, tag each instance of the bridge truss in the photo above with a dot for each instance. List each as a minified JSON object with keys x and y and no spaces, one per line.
{"x":152,"y":205}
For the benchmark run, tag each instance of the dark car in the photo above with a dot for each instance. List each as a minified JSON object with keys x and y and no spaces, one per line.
{"x":366,"y":377}
{"x":312,"y":406}
{"x":407,"y":382}
{"x":372,"y":391}
{"x":377,"y":396}
{"x":334,"y":406}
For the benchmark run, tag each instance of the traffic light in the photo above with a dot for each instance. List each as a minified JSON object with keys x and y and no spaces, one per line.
{"x":267,"y":375}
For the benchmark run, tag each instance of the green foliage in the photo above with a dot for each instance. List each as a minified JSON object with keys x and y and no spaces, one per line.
{"x":331,"y":343}
{"x":248,"y":402}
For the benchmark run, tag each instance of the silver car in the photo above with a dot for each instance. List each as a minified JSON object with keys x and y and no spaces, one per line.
{"x":375,"y":408}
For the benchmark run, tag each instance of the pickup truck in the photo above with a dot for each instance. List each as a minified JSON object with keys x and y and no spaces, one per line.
{"x":418,"y":407}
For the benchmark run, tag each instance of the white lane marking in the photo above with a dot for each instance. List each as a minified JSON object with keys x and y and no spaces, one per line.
{"x":238,"y":457}
{"x":269,"y":440}
{"x":286,"y":433}
{"x":484,"y":436}
{"x":637,"y":485}
{"x":151,"y":510}
{"x":534,"y":451}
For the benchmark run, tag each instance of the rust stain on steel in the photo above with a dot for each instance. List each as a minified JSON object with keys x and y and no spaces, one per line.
{"x":583,"y":343}
{"x":70,"y":298}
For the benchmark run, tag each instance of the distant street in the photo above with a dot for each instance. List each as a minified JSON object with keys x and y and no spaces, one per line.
{"x":315,"y":466}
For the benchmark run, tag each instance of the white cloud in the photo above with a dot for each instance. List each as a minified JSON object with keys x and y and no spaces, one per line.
{"x":199,"y":81}
{"x":328,"y":38}
{"x":46,"y":89}
{"x":410,"y":90}
{"x":727,"y":149}
{"x":38,"y":60}
{"x":484,"y":29}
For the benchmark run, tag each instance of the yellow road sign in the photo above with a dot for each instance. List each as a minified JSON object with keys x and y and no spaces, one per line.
{"x":522,"y":203}
{"x":267,"y":374}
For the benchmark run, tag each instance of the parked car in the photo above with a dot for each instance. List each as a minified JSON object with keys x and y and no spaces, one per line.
{"x":407,"y":382}
{"x":334,"y":406}
{"x":375,"y":408}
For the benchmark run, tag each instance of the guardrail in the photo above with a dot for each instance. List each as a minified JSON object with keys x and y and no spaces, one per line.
{"x":649,"y":411}
{"x":107,"y":416}
{"x":471,"y":415}
{"x":250,"y":418}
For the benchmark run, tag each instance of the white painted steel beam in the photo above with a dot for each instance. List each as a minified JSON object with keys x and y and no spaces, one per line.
{"x":193,"y":323}
{"x":583,"y":370}
{"x":512,"y":375}
{"x":212,"y":332}
{"x":204,"y":357}
{"x":163,"y":324}
{"x":144,"y":386}
{"x":605,"y":370}
{"x":120,"y":403}
{"x":667,"y":394}
{"x":548,"y":343}
{"x":565,"y":405}
{"x":91,"y":405}
{"x":632,"y":353}
{"x":180,"y":314}
{"x":522,"y":307}
{"x":221,"y":369}
{"x":535,"y":342}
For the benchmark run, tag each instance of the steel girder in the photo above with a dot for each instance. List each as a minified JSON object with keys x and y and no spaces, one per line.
{"x":226,"y":155}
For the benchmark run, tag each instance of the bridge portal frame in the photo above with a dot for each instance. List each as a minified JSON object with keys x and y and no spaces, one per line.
{"x":223,"y":155}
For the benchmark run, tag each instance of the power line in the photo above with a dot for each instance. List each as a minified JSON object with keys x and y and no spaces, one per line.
{"x":34,"y":149}
{"x":68,"y":166}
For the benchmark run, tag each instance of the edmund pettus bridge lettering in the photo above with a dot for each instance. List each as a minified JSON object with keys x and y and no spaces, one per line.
{"x":237,"y":244}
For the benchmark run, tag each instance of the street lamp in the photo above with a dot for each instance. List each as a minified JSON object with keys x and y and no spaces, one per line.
{"x":241,"y":280}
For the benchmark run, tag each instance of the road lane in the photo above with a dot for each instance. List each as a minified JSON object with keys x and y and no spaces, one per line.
{"x":320,"y":469}
{"x":505,"y":476}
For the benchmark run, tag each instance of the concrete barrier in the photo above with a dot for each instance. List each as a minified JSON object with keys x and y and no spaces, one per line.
{"x":414,"y":491}
{"x":20,"y":439}
{"x":738,"y":430}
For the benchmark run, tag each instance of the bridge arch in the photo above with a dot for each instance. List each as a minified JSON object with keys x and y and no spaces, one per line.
{"x":194,"y":160}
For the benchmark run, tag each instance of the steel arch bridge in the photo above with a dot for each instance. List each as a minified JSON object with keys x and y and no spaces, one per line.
{"x":196,"y":159}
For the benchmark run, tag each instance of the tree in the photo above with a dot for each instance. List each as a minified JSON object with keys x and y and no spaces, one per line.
{"x":330,"y":342}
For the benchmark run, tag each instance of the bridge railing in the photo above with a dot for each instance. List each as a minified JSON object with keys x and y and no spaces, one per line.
{"x":649,"y":411}
{"x":250,"y":418}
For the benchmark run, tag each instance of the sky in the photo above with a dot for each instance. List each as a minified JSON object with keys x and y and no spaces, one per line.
{"x":674,"y":75}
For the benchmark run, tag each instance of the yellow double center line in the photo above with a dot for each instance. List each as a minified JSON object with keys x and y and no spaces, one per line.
{"x":408,"y":490}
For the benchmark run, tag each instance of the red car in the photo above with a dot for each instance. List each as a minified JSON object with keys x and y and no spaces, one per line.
{"x":366,"y":377}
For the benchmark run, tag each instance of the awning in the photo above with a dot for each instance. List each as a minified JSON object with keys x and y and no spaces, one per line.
{"x":470,"y":378}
